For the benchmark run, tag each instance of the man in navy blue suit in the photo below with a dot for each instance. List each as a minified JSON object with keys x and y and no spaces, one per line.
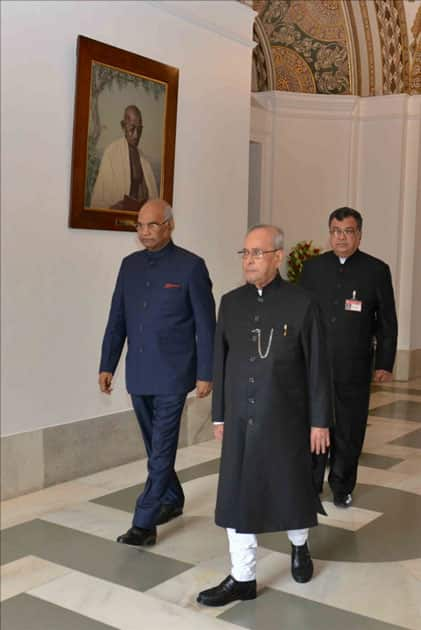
{"x":163,"y":305}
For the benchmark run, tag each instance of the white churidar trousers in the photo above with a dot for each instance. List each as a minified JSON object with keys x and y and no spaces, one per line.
{"x":243,"y":549}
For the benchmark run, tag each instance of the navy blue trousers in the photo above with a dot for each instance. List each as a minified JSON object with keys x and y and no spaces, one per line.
{"x":159,"y":421}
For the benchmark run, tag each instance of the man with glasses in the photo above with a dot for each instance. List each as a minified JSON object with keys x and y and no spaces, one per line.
{"x":163,"y":305}
{"x":355,"y":293}
{"x":271,"y":405}
{"x":125,"y":179}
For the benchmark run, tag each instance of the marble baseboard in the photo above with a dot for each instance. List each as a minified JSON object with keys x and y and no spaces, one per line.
{"x":407,"y":365}
{"x":22,"y":464}
{"x":196,"y":425}
{"x":38,"y":459}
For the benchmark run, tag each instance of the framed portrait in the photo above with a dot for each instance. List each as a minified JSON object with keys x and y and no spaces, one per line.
{"x":123,"y":136}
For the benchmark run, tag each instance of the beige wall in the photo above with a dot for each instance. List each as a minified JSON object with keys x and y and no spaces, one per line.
{"x":331,"y":151}
{"x":57,"y":282}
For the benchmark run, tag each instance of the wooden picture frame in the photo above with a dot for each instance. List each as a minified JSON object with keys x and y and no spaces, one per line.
{"x":119,"y":93}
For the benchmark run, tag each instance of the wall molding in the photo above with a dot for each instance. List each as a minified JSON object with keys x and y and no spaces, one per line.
{"x":407,"y":365}
{"x":235,"y":22}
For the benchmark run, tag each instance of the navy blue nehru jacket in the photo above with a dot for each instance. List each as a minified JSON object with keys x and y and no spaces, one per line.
{"x":163,"y":305}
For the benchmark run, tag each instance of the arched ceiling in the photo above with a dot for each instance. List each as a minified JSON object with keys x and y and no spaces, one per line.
{"x":360,"y":47}
{"x":415,"y":51}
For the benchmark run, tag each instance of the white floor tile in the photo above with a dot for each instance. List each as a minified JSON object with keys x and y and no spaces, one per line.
{"x":351,"y":519}
{"x":34,"y":505}
{"x":26,"y":573}
{"x":384,"y":591}
{"x":121,"y":607}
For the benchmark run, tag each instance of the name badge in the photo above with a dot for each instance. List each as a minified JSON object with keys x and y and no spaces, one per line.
{"x":354,"y":305}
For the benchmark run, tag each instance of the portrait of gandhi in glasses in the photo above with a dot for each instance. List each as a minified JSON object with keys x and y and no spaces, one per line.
{"x":125,"y":179}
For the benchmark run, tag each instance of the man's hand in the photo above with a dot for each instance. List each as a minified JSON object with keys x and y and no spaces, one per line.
{"x":104,"y":381}
{"x":382,"y":376}
{"x":218,"y":431}
{"x":203,"y":388}
{"x":319,"y":440}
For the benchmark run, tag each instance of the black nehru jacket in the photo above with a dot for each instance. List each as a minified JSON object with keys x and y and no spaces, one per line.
{"x":350,"y":333}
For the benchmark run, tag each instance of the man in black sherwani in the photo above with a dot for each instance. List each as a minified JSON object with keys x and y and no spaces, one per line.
{"x":355,"y":293}
{"x":272,"y":405}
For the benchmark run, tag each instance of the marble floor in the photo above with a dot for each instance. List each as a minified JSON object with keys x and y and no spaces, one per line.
{"x":62,"y":570}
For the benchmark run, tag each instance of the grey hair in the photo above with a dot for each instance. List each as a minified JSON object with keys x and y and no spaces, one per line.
{"x":278,"y":234}
{"x":168,"y":213}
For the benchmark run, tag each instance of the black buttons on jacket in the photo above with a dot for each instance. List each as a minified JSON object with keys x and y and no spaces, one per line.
{"x":251,"y":379}
{"x":145,"y":304}
{"x":256,"y":318}
{"x":147,"y":283}
{"x":251,"y":401}
{"x":250,"y":421}
{"x":252,"y":359}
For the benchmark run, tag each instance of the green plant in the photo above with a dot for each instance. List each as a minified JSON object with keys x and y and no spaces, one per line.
{"x":301,"y":252}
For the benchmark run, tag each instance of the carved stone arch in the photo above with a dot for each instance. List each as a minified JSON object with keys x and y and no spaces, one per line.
{"x":263,"y":71}
{"x":394,"y":45}
{"x":415,"y":49}
{"x":332,"y":47}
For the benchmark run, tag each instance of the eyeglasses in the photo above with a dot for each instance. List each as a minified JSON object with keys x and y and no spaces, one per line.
{"x":153,"y":226}
{"x":346,"y":231}
{"x":256,"y":252}
{"x":132,"y":128}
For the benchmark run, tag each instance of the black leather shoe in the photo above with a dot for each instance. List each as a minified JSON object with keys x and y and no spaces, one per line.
{"x":342,"y":500}
{"x":138,"y":536}
{"x":168,"y":512}
{"x":227,"y":591}
{"x":301,"y":564}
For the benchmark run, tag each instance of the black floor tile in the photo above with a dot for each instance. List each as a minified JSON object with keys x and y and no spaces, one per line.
{"x":399,"y":410}
{"x":381,"y":540}
{"x":412,"y":439}
{"x":126,"y":499}
{"x":382,"y":462}
{"x":275,"y":610}
{"x":120,"y":564}
{"x":25,"y":612}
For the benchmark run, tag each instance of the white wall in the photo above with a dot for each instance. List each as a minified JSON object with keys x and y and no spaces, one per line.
{"x":332,"y":151}
{"x":57,"y":282}
{"x":416,"y":285}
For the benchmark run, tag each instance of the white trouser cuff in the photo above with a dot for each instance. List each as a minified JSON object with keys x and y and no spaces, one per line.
{"x":298,"y":536}
{"x":243,"y":549}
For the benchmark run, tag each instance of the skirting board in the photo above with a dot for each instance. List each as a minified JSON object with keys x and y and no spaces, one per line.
{"x":37,"y":459}
{"x":407,"y":365}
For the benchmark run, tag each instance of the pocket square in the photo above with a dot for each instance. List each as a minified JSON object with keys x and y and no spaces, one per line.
{"x":171,"y":285}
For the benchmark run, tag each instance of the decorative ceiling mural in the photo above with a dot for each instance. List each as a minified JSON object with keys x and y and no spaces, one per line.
{"x":415,"y":48}
{"x":335,"y":47}
{"x":394,"y":45}
{"x":309,"y":44}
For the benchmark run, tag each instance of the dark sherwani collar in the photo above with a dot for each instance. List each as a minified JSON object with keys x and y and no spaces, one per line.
{"x":269,"y":288}
{"x":161,"y":253}
{"x":348,"y":260}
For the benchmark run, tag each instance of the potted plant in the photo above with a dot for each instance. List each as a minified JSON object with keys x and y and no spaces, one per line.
{"x":301,"y":252}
